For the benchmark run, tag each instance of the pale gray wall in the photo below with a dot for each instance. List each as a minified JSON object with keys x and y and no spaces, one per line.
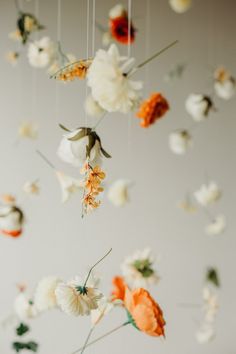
{"x":57,"y":241}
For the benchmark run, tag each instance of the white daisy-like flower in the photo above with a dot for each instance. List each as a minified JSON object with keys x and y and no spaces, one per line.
{"x":24,"y":307}
{"x":225,"y":89}
{"x":31,"y":188}
{"x":180,"y":142}
{"x":138,"y":269}
{"x":118,"y":193}
{"x":205,"y":333}
{"x":44,"y":297}
{"x":180,"y":6}
{"x":106,"y":39}
{"x":217,"y":226}
{"x":198,"y":106}
{"x":41,"y":52}
{"x":117,"y":11}
{"x":208,"y":194}
{"x":69,"y":185}
{"x":92,"y":108}
{"x":73,"y":148}
{"x":111,"y":88}
{"x":75,"y":299}
{"x":104,"y":307}
{"x":11,"y":220}
{"x":28,"y":130}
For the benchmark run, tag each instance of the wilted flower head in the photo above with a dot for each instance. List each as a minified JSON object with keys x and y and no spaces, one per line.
{"x":206,"y":333}
{"x":11,"y":220}
{"x":31,"y":188}
{"x":80,"y":144}
{"x":152,"y":109}
{"x":78,"y":70}
{"x":110,"y":85}
{"x":208,"y":194}
{"x":217,"y":226}
{"x":180,"y":6}
{"x":44,"y":297}
{"x":225,"y":84}
{"x":75,"y":299}
{"x":198,"y":106}
{"x":180,"y":141}
{"x":26,"y":24}
{"x":138,"y":270}
{"x":41,"y":52}
{"x":118,"y":193}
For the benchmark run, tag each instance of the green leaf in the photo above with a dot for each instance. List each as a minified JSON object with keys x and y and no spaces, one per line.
{"x":22,"y":329}
{"x":18,"y":346}
{"x":91,"y":143}
{"x":64,"y":128}
{"x":81,"y":134}
{"x":131,"y":320}
{"x":108,"y":156}
{"x":213,"y":277}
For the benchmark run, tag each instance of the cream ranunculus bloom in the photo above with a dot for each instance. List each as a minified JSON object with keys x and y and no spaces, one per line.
{"x":198,"y":106}
{"x":24,"y":307}
{"x":208,"y":194}
{"x":44,"y":297}
{"x":224,"y":84}
{"x":180,"y":141}
{"x":75,"y":299}
{"x":118,"y":193}
{"x":79,"y":145}
{"x":111,"y":88}
{"x":41,"y":52}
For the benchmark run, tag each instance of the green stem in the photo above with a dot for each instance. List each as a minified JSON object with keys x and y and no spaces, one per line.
{"x":101,"y":337}
{"x":100,"y":260}
{"x":87,"y":339}
{"x":154,"y":56}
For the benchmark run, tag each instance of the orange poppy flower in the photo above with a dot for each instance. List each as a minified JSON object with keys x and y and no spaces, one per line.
{"x":152,"y":109}
{"x":118,"y":292}
{"x":119,"y":28}
{"x":145,"y":312}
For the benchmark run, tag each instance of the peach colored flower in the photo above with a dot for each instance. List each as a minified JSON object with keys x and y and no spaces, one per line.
{"x":75,"y":70}
{"x":146,"y":313}
{"x":152,"y":109}
{"x":119,"y":287}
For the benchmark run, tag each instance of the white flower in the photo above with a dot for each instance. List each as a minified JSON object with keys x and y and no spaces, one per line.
{"x":75,"y":151}
{"x":180,"y":141}
{"x":11,"y":220}
{"x":180,"y":6}
{"x":118,"y":193}
{"x":208,"y":194}
{"x":206,"y":333}
{"x":24,"y":307}
{"x":217,"y":226}
{"x":198,"y":106}
{"x":106,"y":39}
{"x":92,"y":108}
{"x":31,"y":188}
{"x":28,"y":130}
{"x":44,"y":297}
{"x":225,"y":89}
{"x":111,"y":89}
{"x":117,"y":11}
{"x":138,"y":269}
{"x":41,"y":52}
{"x":74,"y":299}
{"x":104,"y":307}
{"x":211,"y":305}
{"x":69,"y":185}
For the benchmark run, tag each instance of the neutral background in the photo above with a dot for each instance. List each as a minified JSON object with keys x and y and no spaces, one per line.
{"x":56,"y":240}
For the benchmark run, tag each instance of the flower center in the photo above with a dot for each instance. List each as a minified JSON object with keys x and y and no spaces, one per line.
{"x":83,"y":290}
{"x":144,"y":267}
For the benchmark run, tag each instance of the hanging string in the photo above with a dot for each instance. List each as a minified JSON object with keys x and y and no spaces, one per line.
{"x":34,"y":71}
{"x":93,"y":27}
{"x":87,"y":52}
{"x":147,"y":44}
{"x":128,"y":55}
{"x":57,"y":88}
